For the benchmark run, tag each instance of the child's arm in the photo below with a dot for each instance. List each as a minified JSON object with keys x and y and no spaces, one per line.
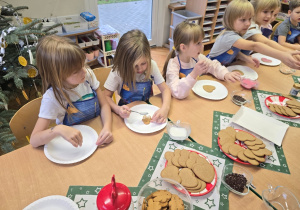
{"x":41,"y":134}
{"x":286,"y":57}
{"x":105,"y":135}
{"x":161,"y":115}
{"x":123,"y":111}
{"x":248,"y":59}
{"x":282,"y":41}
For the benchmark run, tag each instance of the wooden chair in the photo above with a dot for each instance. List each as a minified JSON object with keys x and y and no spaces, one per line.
{"x":274,"y":29}
{"x":23,"y":122}
{"x":102,"y":74}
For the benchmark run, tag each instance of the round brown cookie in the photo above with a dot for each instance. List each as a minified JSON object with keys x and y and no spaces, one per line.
{"x":288,"y":96}
{"x":176,"y":157}
{"x":197,"y":187}
{"x":248,"y":153}
{"x":231,"y":131}
{"x":262,"y":152}
{"x":184,"y":155}
{"x":234,"y":149}
{"x":168,"y":156}
{"x":277,"y":109}
{"x":225,"y":140}
{"x":260,"y":159}
{"x":244,"y":136}
{"x":161,"y":196}
{"x":293,"y":102}
{"x":282,"y":110}
{"x":201,"y":160}
{"x":203,"y":186}
{"x":250,"y":143}
{"x":226,"y":146}
{"x":297,"y":111}
{"x":258,"y":141}
{"x":253,"y":162}
{"x":171,"y":172}
{"x":190,"y":162}
{"x":272,"y":108}
{"x":204,"y":172}
{"x":241,"y":156}
{"x":223,"y":134}
{"x":153,"y":205}
{"x":289,"y":112}
{"x":257,"y":147}
{"x":176,"y":203}
{"x":188,"y":178}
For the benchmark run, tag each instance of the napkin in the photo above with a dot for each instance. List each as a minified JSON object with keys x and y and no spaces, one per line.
{"x":267,"y":127}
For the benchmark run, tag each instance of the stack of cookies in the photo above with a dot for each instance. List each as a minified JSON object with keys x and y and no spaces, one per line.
{"x":290,"y":109}
{"x":255,"y":151}
{"x":162,"y":199}
{"x":189,"y":169}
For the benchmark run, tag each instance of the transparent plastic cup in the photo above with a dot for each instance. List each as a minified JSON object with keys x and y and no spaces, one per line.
{"x":178,"y":130}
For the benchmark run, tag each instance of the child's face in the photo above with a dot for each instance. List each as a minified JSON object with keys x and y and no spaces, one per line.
{"x":264,"y":17}
{"x":275,"y":13}
{"x":242,"y":24}
{"x":141,"y":65}
{"x":76,"y":78}
{"x":295,"y":15}
{"x":194,"y":49}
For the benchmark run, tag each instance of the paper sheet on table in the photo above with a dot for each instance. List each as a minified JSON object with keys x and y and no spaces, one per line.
{"x":267,"y":127}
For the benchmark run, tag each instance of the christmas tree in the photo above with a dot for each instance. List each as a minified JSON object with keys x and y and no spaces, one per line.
{"x":18,"y":39}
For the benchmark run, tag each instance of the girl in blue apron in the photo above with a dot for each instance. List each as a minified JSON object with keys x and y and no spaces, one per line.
{"x":72,"y":94}
{"x":185,"y":62}
{"x":132,"y":76}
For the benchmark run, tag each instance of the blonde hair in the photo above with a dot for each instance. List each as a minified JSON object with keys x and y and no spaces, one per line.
{"x":260,"y":5}
{"x":132,"y":46}
{"x":236,"y":9}
{"x":57,"y":58}
{"x":184,"y":33}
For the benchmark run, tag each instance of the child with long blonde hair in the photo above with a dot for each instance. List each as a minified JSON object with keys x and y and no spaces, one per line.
{"x":185,"y":62}
{"x":71,"y":93}
{"x":237,"y":20}
{"x":133,"y":74}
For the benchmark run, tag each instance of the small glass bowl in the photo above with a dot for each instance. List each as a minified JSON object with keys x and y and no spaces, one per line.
{"x":228,"y":169}
{"x":248,"y":83}
{"x":178,"y":130}
{"x":241,"y":97}
{"x":164,"y":184}
{"x":284,"y":69}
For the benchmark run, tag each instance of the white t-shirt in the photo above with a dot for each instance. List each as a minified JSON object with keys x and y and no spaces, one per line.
{"x":114,"y":81}
{"x":50,"y":107}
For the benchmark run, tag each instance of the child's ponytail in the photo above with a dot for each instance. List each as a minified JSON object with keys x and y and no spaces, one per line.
{"x":172,"y":54}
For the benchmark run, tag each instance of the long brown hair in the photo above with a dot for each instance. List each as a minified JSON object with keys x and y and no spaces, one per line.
{"x":184,"y":33}
{"x":57,"y":58}
{"x":132,"y":46}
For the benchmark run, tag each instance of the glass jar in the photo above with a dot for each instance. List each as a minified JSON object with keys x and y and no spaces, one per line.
{"x":295,"y":89}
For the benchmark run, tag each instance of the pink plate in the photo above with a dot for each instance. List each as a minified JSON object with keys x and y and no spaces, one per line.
{"x":239,"y":143}
{"x":209,"y":186}
{"x":279,"y":100}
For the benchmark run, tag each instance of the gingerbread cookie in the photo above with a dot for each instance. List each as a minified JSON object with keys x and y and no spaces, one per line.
{"x":209,"y":88}
{"x":171,"y":172}
{"x":244,"y":136}
{"x":188,"y":178}
{"x":204,"y":172}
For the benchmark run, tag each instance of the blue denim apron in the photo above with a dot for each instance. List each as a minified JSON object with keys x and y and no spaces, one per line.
{"x":142,"y":92}
{"x":184,"y":72}
{"x":227,"y":57}
{"x":266,"y":32}
{"x":291,"y":36}
{"x":88,"y":109}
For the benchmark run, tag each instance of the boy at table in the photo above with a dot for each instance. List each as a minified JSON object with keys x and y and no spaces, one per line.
{"x":287,"y":33}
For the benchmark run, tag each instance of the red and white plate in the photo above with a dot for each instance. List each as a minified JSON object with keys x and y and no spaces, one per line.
{"x":238,"y":143}
{"x":209,"y":186}
{"x":279,"y":100}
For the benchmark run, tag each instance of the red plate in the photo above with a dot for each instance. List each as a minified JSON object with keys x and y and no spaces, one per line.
{"x":209,"y":186}
{"x":239,"y":143}
{"x":279,"y":100}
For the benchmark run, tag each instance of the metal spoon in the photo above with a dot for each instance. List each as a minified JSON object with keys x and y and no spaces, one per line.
{"x":141,"y":113}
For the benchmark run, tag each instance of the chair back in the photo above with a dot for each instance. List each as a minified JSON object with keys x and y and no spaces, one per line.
{"x":274,"y":29}
{"x":23,"y":121}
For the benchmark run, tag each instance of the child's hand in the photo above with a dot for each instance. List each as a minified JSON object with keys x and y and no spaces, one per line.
{"x":160,"y":116}
{"x":72,"y":135}
{"x":105,"y":137}
{"x":199,"y":69}
{"x":290,"y":61}
{"x":255,"y":62}
{"x":124,"y":111}
{"x":232,"y":76}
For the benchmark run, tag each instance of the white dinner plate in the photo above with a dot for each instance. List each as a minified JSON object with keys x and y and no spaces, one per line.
{"x":61,"y":151}
{"x":56,"y":202}
{"x":275,"y":62}
{"x":247,"y":71}
{"x":217,"y":94}
{"x":134,"y":121}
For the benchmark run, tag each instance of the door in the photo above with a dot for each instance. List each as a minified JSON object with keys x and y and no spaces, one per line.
{"x":125,"y":15}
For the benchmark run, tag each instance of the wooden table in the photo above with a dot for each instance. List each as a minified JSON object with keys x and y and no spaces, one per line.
{"x":27,"y":175}
{"x":198,"y":112}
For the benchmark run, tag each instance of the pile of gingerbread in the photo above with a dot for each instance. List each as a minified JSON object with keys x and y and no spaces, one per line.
{"x":292,"y":108}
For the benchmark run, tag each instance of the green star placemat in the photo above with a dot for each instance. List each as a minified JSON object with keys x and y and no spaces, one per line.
{"x":259,"y":97}
{"x":85,"y":196}
{"x":217,"y":198}
{"x":296,"y":79}
{"x":274,"y":162}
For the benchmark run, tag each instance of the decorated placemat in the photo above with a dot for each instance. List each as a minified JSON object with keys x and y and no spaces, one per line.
{"x":217,"y":198}
{"x":85,"y":196}
{"x":274,"y":162}
{"x":296,"y":78}
{"x":259,"y":97}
